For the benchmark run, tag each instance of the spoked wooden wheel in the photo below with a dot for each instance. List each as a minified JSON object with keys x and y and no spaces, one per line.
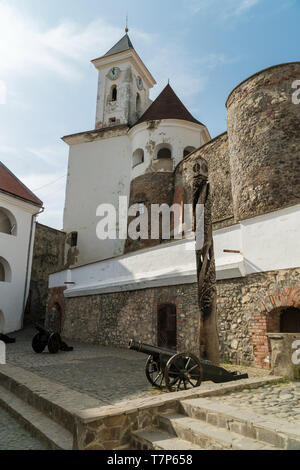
{"x":54,"y":343}
{"x":39,"y":343}
{"x":154,"y":373}
{"x":183,"y":371}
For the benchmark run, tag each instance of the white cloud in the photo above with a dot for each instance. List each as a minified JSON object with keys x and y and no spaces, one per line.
{"x":3,"y":92}
{"x":54,"y":155}
{"x":50,"y":188}
{"x":174,"y":64}
{"x":226,"y":8}
{"x":211,"y":61}
{"x":26,"y":46}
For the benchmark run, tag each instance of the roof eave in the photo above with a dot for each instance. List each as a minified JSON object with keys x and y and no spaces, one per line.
{"x":164,"y":120}
{"x":129,"y":54}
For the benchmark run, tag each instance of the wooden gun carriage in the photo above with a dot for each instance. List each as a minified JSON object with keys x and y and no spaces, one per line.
{"x":180,"y":371}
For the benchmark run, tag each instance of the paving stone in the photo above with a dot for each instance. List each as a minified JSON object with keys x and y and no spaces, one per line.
{"x":14,"y":437}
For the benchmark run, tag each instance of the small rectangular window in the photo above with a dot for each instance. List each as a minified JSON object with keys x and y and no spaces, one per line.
{"x":74,"y":239}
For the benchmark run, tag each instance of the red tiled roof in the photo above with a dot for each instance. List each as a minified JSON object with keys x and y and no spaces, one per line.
{"x":167,"y":106}
{"x":9,"y":183}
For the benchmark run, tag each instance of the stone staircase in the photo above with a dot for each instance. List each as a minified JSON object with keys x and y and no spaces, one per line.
{"x":30,"y":404}
{"x":204,"y":424}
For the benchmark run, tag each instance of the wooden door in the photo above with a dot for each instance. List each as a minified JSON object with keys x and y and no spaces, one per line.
{"x":167,"y":326}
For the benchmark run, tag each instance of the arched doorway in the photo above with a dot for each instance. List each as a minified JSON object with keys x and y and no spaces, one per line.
{"x":290,"y":320}
{"x":167,"y":326}
{"x":55,"y":318}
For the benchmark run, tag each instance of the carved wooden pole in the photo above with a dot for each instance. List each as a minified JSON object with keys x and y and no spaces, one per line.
{"x":206,"y":272}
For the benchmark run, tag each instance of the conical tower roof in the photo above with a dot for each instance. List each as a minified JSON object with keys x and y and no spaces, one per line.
{"x":123,"y":45}
{"x":167,"y":106}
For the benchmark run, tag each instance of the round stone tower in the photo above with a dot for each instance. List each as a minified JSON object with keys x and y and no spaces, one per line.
{"x":264,"y":141}
{"x":160,"y":139}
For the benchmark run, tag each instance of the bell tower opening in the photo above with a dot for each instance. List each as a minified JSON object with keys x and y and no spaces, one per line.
{"x":114,"y":93}
{"x":123,"y":85}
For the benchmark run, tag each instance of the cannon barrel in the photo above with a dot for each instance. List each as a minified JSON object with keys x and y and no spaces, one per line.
{"x":150,"y":350}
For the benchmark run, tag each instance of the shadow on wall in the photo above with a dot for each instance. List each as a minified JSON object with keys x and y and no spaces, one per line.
{"x":2,"y":322}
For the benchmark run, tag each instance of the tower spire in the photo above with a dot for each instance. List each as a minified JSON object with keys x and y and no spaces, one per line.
{"x":126,"y":29}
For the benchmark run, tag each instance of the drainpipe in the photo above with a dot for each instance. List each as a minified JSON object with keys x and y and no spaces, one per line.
{"x":28,"y":260}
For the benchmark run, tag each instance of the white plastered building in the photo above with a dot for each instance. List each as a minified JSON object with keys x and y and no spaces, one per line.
{"x":18,"y":210}
{"x":123,"y":146}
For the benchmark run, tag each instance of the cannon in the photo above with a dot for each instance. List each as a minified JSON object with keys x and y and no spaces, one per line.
{"x":48,"y":338}
{"x":180,"y":370}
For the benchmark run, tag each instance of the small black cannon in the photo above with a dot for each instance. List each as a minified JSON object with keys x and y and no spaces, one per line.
{"x":180,"y":371}
{"x":48,"y":338}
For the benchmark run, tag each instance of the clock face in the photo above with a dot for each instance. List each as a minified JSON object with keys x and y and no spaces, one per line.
{"x":114,"y":73}
{"x":139,"y":83}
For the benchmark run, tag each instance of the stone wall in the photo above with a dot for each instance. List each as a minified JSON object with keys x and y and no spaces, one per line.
{"x":48,"y":257}
{"x":264,"y":141}
{"x":151,"y":188}
{"x":216,"y":154}
{"x":246,"y":307}
{"x":114,"y":319}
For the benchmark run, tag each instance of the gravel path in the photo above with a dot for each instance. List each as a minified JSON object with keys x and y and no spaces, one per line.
{"x":281,"y":401}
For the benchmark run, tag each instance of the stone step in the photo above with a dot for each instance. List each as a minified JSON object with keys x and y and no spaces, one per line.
{"x":157,"y":439}
{"x":35,"y":391}
{"x":55,"y":436}
{"x":278,"y":433}
{"x":55,"y":400}
{"x":208,"y":436}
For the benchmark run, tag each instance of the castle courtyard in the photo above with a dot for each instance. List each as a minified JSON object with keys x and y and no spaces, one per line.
{"x":95,"y":378}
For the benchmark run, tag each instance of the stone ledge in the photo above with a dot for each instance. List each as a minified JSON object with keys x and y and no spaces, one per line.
{"x":132,"y":406}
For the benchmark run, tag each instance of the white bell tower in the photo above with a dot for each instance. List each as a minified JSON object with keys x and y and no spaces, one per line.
{"x":123,"y":86}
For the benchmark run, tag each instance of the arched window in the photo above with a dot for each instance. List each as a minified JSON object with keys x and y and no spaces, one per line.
{"x":188,"y":150}
{"x":114,"y":93}
{"x":138,"y":104}
{"x":164,"y":151}
{"x":5,"y":271}
{"x":137,"y":157}
{"x":8,"y":222}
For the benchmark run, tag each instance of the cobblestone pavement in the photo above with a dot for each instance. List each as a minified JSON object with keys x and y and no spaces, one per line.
{"x":280,"y":401}
{"x":14,"y":437}
{"x":108,"y":374}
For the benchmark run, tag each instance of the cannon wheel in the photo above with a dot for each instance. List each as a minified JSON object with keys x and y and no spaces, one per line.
{"x":183,"y":371}
{"x":154,"y":373}
{"x":39,"y":343}
{"x":54,"y":343}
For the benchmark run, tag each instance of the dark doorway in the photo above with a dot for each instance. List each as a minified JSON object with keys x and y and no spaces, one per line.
{"x":55,"y":318}
{"x":167,"y":326}
{"x":290,"y":320}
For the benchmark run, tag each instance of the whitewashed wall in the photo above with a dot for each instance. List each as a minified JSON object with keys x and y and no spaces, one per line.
{"x":15,"y":249}
{"x":266,"y":243}
{"x":98,"y":173}
{"x":174,"y":132}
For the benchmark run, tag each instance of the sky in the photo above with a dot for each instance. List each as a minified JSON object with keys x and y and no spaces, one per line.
{"x":48,"y":86}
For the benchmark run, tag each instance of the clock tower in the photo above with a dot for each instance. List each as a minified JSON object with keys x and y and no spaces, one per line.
{"x":123,"y":86}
